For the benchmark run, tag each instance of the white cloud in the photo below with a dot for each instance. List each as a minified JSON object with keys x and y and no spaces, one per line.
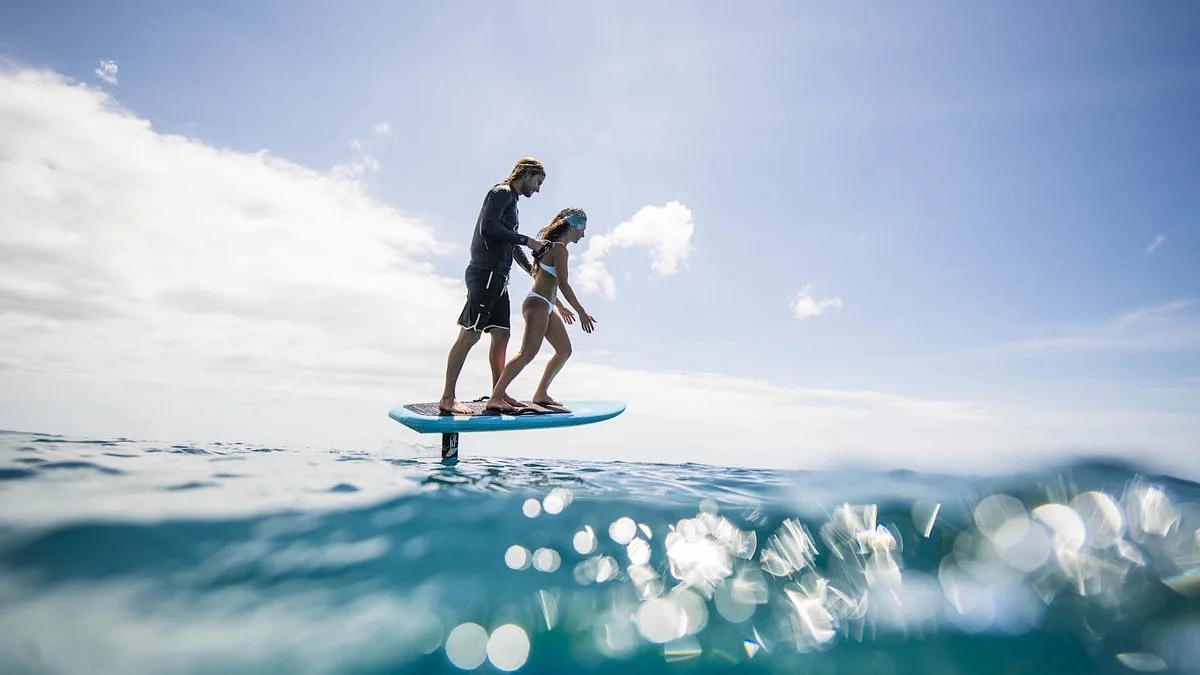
{"x":107,"y":71}
{"x":804,"y":305}
{"x":666,"y":231}
{"x":133,"y":252}
{"x":1152,"y":314}
{"x":152,"y":286}
{"x":382,"y":129}
{"x":1158,"y":241}
{"x":1159,"y":328}
{"x":732,"y":420}
{"x":358,"y":167}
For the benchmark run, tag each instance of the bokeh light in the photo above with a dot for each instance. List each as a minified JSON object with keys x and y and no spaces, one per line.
{"x":508,"y":647}
{"x":517,"y":557}
{"x":466,"y":647}
{"x":661,"y":620}
{"x":557,"y":500}
{"x":622,"y":530}
{"x":584,"y":541}
{"x":546,"y":560}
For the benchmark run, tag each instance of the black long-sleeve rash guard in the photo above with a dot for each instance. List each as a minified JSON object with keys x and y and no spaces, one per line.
{"x":496,"y":233}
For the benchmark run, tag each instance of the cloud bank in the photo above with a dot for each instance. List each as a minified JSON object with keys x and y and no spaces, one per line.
{"x":154,"y":286}
{"x":166,"y":258}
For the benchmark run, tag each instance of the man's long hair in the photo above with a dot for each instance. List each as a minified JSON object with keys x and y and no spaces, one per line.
{"x":525,"y":166}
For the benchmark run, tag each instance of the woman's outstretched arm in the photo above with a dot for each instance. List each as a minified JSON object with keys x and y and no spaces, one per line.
{"x":586,"y":320}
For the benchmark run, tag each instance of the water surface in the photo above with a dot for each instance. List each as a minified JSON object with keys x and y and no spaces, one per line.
{"x":130,"y":557}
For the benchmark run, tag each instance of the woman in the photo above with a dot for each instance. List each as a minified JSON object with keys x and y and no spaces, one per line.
{"x":549,"y":277}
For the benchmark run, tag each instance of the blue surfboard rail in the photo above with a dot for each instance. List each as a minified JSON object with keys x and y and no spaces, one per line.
{"x":580,"y":412}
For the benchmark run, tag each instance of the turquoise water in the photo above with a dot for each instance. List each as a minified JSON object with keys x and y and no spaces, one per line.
{"x":132,"y":557}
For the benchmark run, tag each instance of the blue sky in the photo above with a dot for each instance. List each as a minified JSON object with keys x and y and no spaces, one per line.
{"x":997,"y":201}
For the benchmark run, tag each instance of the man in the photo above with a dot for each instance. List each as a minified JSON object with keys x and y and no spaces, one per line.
{"x":494,"y":246}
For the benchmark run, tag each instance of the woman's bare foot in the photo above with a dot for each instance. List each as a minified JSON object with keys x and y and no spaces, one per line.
{"x":503,"y":403}
{"x":453,"y":407}
{"x":544,"y":399}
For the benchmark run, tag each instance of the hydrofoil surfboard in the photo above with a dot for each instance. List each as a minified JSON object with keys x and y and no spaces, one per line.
{"x":425,"y":418}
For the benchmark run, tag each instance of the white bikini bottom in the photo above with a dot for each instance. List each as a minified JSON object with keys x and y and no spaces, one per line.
{"x":549,"y":303}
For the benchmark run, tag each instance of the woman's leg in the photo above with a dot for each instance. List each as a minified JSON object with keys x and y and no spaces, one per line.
{"x":556,"y":335}
{"x":534,"y":312}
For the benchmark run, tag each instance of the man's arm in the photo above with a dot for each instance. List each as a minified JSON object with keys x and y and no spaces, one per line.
{"x":494,"y":204}
{"x":521,"y":259}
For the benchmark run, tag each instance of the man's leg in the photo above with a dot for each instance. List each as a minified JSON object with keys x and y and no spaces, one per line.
{"x":498,"y":351}
{"x":454,"y":365}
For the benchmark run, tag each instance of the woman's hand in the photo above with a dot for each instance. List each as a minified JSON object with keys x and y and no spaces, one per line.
{"x":567,"y":315}
{"x":587,"y":321}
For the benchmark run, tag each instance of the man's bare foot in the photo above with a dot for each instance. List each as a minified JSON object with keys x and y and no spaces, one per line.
{"x":453,"y":407}
{"x":545,"y":400}
{"x":514,"y":402}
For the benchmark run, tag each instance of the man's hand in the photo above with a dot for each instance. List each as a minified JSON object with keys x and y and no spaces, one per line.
{"x":535,"y":244}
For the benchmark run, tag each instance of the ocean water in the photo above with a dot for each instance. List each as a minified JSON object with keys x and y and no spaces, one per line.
{"x":129,"y":557}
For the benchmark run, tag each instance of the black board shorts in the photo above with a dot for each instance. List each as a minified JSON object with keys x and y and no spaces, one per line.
{"x":487,"y":300}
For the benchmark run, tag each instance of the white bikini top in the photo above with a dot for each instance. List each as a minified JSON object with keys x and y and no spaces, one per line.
{"x":549,"y":269}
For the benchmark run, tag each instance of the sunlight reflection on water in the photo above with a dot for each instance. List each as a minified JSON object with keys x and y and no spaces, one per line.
{"x":503,"y":564}
{"x":1000,"y":574}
